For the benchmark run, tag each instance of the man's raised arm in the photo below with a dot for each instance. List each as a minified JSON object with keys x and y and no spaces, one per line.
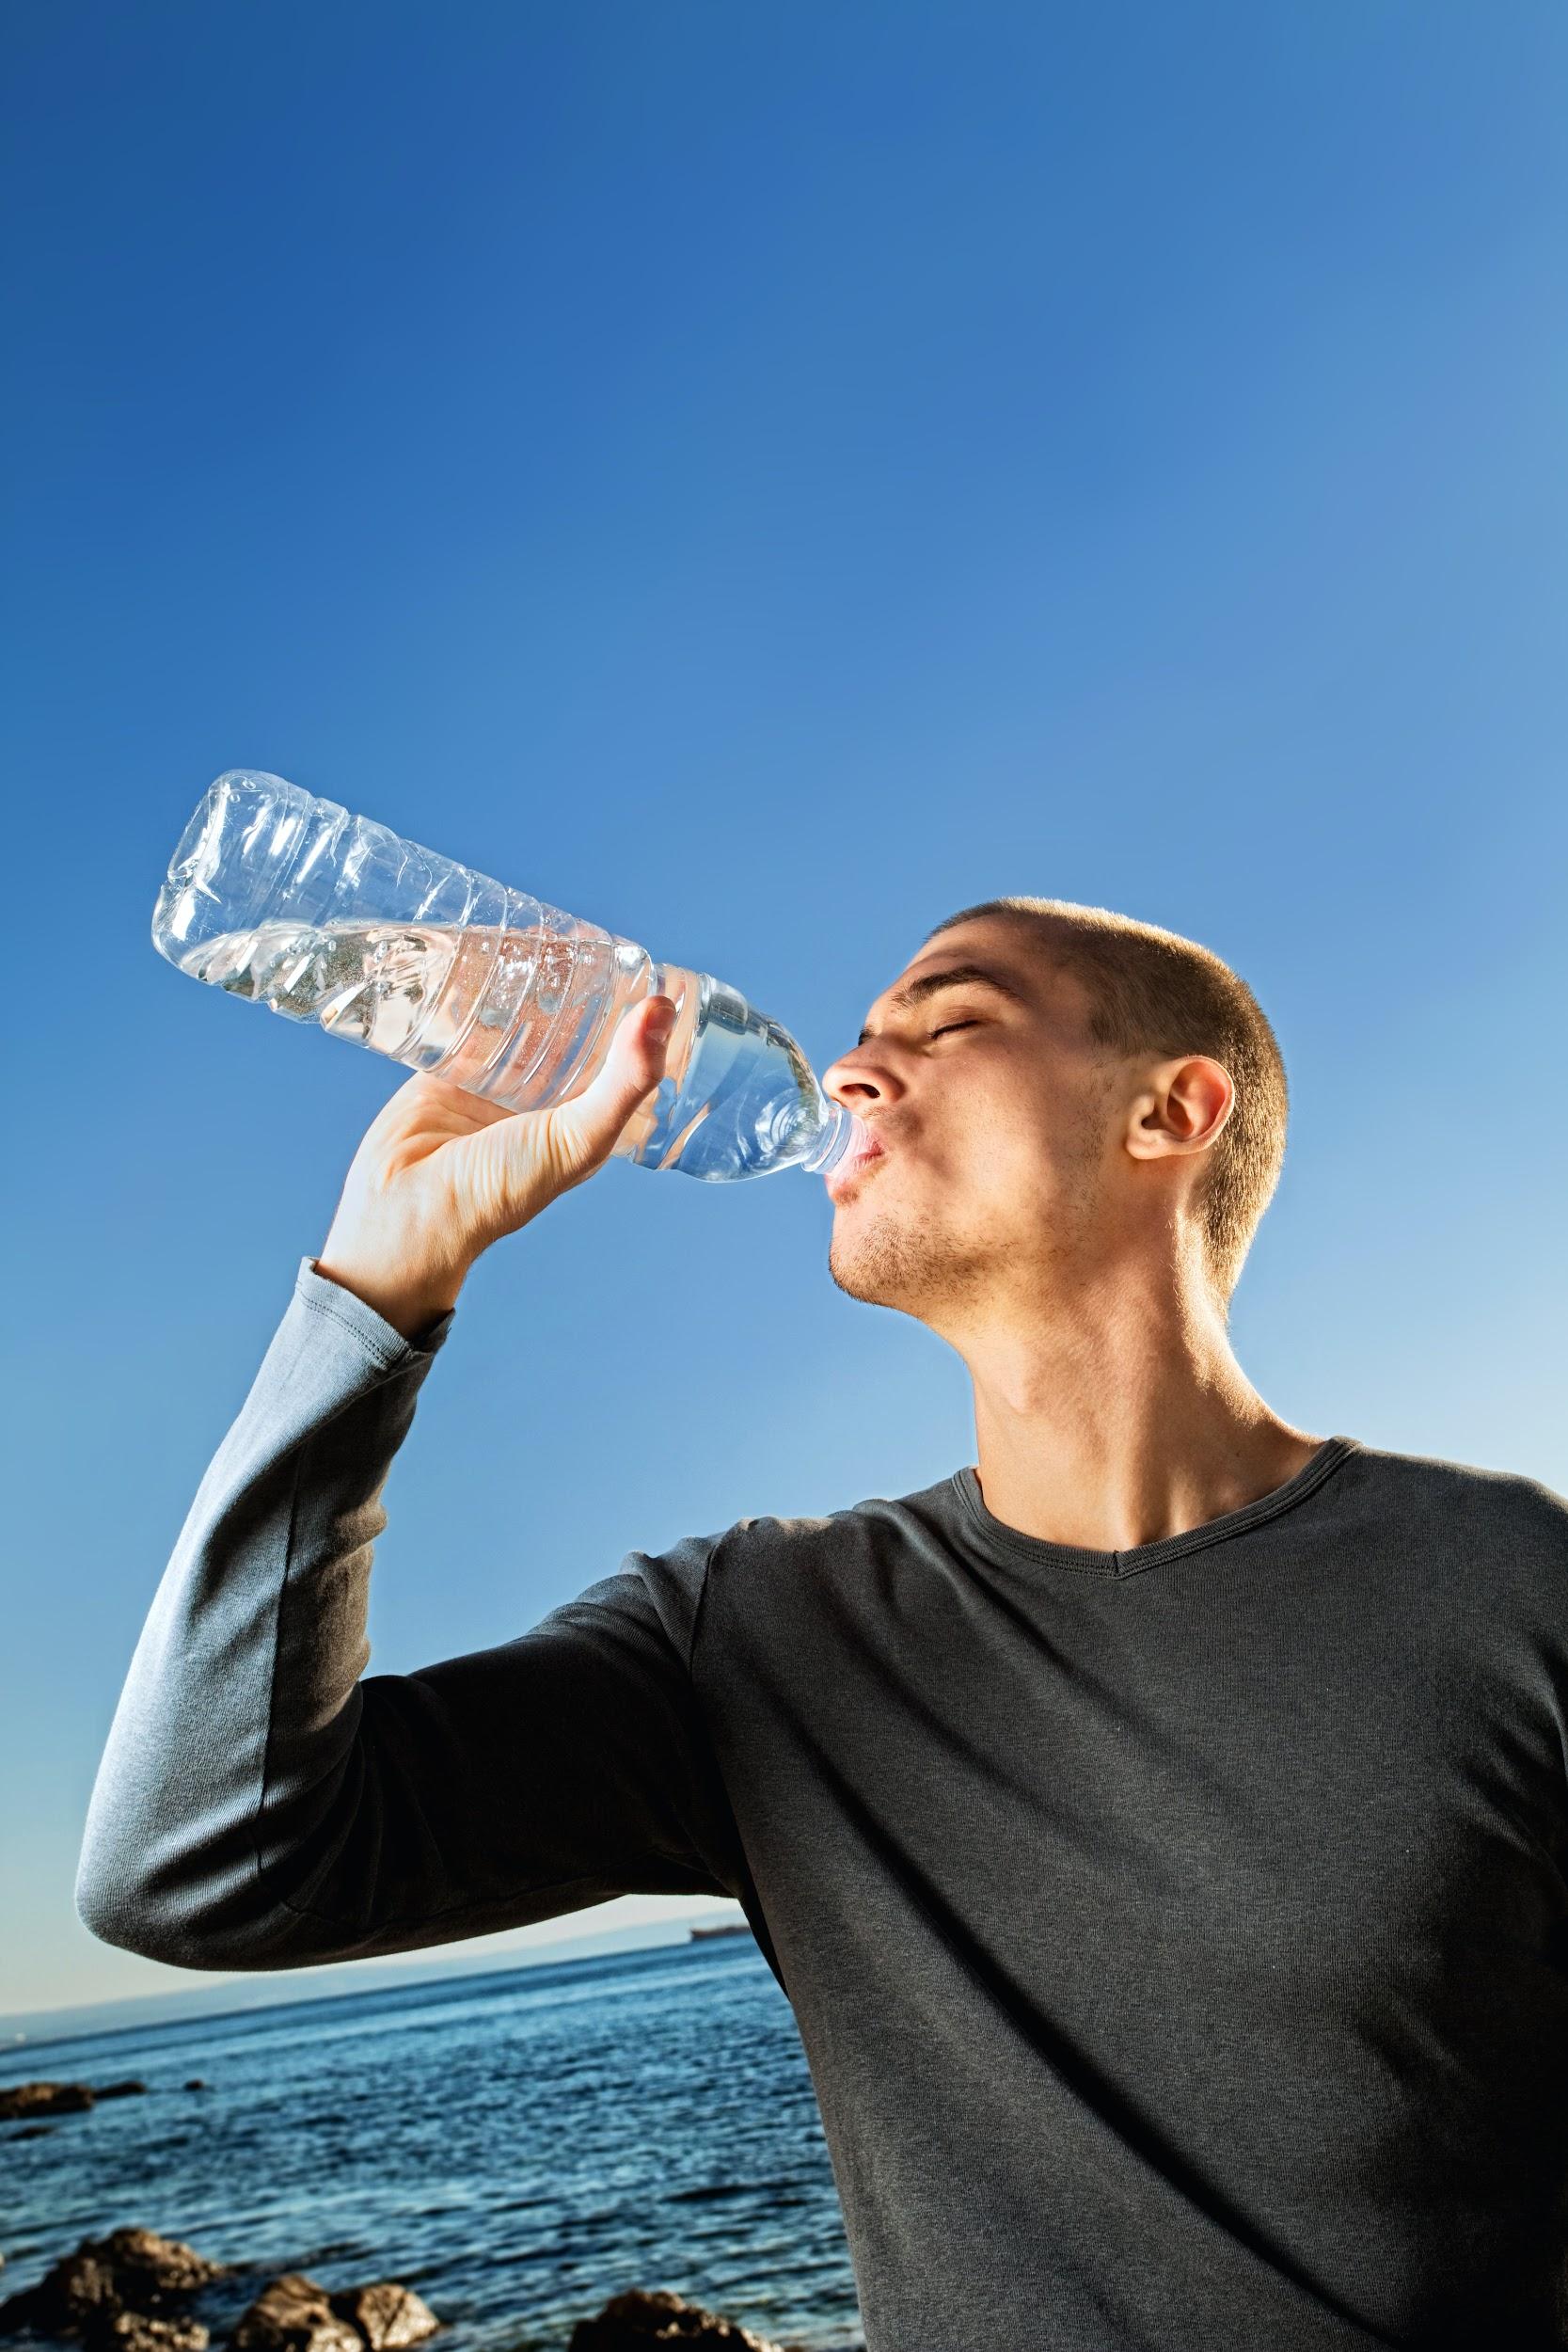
{"x":258,"y":1805}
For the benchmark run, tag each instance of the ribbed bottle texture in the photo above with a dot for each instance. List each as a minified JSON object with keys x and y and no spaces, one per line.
{"x":277,"y":896}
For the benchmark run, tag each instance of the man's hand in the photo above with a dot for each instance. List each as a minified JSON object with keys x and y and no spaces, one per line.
{"x":441,"y":1174}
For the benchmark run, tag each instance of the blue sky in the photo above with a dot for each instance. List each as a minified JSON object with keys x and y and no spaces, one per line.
{"x":763,"y":479}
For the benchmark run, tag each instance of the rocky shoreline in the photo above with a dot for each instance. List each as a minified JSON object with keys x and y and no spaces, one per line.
{"x":136,"y":2292}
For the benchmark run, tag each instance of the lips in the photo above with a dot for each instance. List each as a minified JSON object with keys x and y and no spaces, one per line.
{"x":862,"y":1156}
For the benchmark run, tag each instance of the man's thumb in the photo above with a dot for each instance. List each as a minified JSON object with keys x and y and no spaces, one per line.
{"x":588,"y":1126}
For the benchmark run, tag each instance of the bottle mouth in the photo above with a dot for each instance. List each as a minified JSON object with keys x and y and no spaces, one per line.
{"x":841,"y":1132}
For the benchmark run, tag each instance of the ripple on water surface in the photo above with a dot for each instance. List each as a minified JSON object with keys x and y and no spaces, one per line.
{"x":518,"y":2145}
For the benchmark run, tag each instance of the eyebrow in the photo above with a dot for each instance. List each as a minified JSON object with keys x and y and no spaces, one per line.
{"x":956,"y":976}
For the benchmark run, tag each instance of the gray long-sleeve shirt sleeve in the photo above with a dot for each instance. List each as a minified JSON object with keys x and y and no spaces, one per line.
{"x":259,"y":1804}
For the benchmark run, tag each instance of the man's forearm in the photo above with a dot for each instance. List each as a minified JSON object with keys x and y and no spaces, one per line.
{"x":239,"y":1708}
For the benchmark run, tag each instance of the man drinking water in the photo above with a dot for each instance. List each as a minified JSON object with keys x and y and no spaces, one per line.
{"x":1159,"y":1828}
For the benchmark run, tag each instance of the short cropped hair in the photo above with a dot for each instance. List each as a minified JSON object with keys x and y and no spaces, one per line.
{"x":1154,"y":993}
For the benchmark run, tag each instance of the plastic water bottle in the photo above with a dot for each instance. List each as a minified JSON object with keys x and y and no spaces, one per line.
{"x":286,"y":899}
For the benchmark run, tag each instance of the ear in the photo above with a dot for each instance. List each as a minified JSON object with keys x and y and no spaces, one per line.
{"x":1181,"y":1109}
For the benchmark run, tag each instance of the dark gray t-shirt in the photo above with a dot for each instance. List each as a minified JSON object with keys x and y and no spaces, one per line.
{"x":1177,"y":1937}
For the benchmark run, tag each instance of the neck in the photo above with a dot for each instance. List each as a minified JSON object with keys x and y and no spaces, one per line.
{"x":1121,"y":1419}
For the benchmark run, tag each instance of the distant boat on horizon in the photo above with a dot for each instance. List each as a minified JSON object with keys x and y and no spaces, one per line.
{"x":730,"y":1927}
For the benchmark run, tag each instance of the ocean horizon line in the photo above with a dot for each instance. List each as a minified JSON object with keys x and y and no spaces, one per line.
{"x":22,"y":2030}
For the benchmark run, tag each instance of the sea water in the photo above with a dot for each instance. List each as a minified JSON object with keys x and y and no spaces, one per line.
{"x":517,"y":2146}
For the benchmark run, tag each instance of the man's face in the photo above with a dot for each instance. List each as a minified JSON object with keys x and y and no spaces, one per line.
{"x":997,"y":1121}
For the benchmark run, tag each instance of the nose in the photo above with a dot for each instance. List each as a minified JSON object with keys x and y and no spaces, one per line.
{"x":856,"y":1080}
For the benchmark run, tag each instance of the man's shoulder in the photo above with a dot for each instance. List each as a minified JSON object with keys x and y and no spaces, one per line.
{"x":774,"y":1546}
{"x":1472,"y":1497}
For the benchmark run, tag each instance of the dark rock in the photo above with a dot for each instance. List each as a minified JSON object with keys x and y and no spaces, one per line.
{"x":295,"y":2315}
{"x":33,"y":2099}
{"x":32,"y":2131}
{"x":195,"y":2083}
{"x":127,"y":2277}
{"x":151,"y":2267}
{"x":387,"y":2315}
{"x":139,"y":2332}
{"x":631,"y":2322}
{"x":79,"y":2291}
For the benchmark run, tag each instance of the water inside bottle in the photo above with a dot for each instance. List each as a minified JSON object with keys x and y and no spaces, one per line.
{"x":395,"y":987}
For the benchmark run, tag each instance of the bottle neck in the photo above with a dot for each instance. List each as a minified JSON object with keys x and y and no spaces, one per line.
{"x":837,"y":1139}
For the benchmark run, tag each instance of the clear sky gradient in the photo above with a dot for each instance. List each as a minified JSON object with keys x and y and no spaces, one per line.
{"x":763,"y":478}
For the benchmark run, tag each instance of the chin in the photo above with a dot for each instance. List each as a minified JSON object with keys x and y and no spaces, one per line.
{"x":883,"y":1266}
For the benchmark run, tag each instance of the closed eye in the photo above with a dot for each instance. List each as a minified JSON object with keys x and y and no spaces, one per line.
{"x":954,"y":1025}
